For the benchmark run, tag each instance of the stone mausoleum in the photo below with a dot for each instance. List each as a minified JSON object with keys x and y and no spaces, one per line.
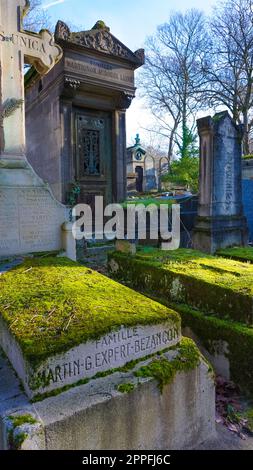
{"x":75,"y":116}
{"x":144,"y":168}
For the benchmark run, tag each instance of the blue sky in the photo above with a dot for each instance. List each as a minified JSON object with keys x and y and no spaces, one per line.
{"x":131,"y":21}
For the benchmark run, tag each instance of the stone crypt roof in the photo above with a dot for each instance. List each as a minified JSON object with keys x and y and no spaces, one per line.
{"x":137,"y":146}
{"x":100,"y":39}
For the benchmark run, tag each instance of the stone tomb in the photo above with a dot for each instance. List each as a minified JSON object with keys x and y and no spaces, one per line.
{"x":220,"y":222}
{"x":30,"y":217}
{"x":86,"y":360}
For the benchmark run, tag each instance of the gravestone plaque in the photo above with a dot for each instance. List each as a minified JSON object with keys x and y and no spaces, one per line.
{"x":112,"y":351}
{"x":220,"y":222}
{"x":30,"y":217}
{"x":30,"y":220}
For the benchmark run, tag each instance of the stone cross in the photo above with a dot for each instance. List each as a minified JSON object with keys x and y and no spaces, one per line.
{"x":16,"y":48}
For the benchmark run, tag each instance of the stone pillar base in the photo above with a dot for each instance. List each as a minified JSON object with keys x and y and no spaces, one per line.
{"x":69,"y":242}
{"x":214,"y":233}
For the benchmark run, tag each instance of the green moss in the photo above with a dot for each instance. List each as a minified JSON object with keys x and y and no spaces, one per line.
{"x":218,"y":116}
{"x":16,"y":439}
{"x":148,"y":201}
{"x":53,"y":304}
{"x":18,"y":420}
{"x":126,"y":387}
{"x":239,"y":254}
{"x":249,"y":416}
{"x":164,"y":370}
{"x":212,"y":284}
{"x":101,"y":25}
{"x":19,"y":439}
{"x":57,"y":391}
{"x":211,"y":330}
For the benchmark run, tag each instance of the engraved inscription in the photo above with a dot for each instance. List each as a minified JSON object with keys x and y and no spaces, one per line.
{"x":29,"y":42}
{"x":30,"y":220}
{"x":101,"y":69}
{"x":229,"y":187}
{"x":112,"y":351}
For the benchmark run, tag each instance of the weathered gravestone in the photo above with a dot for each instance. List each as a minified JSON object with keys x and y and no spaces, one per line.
{"x":220,"y":222}
{"x":30,"y":217}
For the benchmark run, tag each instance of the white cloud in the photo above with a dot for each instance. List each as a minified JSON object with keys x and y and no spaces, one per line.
{"x":52,"y":4}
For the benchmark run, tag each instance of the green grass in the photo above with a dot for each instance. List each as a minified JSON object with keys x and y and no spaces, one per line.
{"x":148,"y":201}
{"x":53,"y":304}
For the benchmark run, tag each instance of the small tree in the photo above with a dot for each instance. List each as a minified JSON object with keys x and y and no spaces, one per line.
{"x":184,"y":172}
{"x":188,"y":145}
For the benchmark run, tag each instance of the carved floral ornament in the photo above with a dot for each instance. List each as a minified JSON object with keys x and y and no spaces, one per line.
{"x":100,"y":39}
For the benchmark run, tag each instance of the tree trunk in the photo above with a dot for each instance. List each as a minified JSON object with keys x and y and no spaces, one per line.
{"x":184,"y":128}
{"x":246,"y":150}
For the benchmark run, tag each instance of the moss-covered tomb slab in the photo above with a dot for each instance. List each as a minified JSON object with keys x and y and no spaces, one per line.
{"x":244,"y":254}
{"x":212,"y":284}
{"x":62,"y":323}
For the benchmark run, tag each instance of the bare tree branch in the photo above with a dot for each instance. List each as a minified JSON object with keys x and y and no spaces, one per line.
{"x":37,"y":17}
{"x":173,"y":81}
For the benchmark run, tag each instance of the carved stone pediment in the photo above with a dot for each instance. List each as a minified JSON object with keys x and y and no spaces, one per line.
{"x":99,"y":39}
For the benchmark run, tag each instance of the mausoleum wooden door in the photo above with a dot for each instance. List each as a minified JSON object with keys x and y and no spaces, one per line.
{"x":94,"y":155}
{"x":139,"y":179}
